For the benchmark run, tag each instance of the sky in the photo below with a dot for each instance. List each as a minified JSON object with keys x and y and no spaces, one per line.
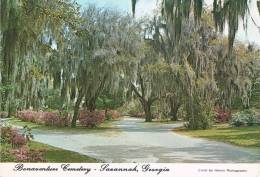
{"x":147,"y":7}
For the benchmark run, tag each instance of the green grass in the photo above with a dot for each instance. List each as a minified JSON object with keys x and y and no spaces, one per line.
{"x":51,"y":154}
{"x":54,"y":154}
{"x":241,"y":136}
{"x":16,"y":122}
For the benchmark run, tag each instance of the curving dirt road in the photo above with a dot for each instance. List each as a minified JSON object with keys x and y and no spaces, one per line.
{"x":132,"y":140}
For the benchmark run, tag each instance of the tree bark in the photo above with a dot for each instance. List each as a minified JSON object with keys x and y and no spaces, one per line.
{"x":91,"y":105}
{"x":147,"y":110}
{"x":145,"y":103}
{"x":76,"y":111}
{"x":174,"y":105}
{"x":57,"y":80}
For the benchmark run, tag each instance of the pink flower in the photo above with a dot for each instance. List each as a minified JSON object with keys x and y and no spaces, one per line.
{"x":18,"y":140}
{"x":91,"y":119}
{"x":47,"y":118}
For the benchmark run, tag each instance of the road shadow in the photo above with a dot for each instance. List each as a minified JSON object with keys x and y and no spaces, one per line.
{"x":205,"y":153}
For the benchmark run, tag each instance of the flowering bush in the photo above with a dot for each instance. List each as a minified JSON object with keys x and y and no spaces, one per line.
{"x":112,"y":114}
{"x":51,"y":119}
{"x":7,"y":134}
{"x":46,"y":118}
{"x":11,"y":136}
{"x":28,"y":116}
{"x":18,"y":140}
{"x":221,"y":116}
{"x":21,"y":154}
{"x":246,"y":117}
{"x":19,"y":151}
{"x":24,"y":154}
{"x":91,"y":119}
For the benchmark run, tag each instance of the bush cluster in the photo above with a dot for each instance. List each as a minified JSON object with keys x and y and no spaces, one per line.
{"x":25,"y":154}
{"x":202,"y":116}
{"x":91,"y":119}
{"x":221,"y":116}
{"x":19,"y":151}
{"x":11,"y":136}
{"x":112,"y":114}
{"x":244,"y":118}
{"x":47,"y":118}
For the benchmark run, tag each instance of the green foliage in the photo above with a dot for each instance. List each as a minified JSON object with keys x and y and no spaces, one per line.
{"x":5,"y":154}
{"x":133,"y":107}
{"x":176,"y":12}
{"x":53,"y":99}
{"x":28,"y":29}
{"x":201,"y":115}
{"x":27,"y":133}
{"x":244,"y":118}
{"x":108,"y":101}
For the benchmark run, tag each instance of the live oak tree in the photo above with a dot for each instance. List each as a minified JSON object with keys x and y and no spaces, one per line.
{"x":191,"y":69}
{"x":227,"y":11}
{"x":25,"y":27}
{"x":102,"y":54}
{"x":142,"y":83}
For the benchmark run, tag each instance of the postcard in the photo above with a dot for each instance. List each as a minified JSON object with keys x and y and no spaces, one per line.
{"x":130,"y":88}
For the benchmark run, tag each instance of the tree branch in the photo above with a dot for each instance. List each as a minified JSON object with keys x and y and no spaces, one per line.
{"x":136,"y":91}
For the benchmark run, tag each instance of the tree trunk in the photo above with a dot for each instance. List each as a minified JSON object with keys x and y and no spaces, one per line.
{"x":76,"y":111}
{"x":91,"y":105}
{"x":174,"y":105}
{"x":173,"y":113}
{"x":147,"y":110}
{"x":57,"y":80}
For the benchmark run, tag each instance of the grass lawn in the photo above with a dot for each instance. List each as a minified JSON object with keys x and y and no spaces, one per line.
{"x":241,"y":136}
{"x":16,"y":122}
{"x":51,"y":154}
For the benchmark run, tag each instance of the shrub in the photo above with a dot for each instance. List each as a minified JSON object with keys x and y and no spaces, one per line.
{"x":244,"y":118}
{"x":21,"y":154}
{"x":15,"y":146}
{"x":56,"y":119}
{"x":202,"y":115}
{"x":24,"y":154}
{"x":51,"y":119}
{"x":91,"y":119}
{"x":112,"y":114}
{"x":5,"y":154}
{"x":3,"y":114}
{"x":11,"y":136}
{"x":18,"y":140}
{"x":27,"y":133}
{"x":28,"y":116}
{"x":7,"y":134}
{"x":221,"y":116}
